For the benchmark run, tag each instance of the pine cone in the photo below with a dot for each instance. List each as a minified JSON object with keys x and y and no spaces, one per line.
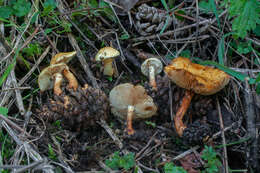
{"x":196,"y":133}
{"x":150,"y":20}
{"x":77,"y":109}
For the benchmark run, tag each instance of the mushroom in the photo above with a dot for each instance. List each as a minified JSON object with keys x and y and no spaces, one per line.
{"x":52,"y":72}
{"x":107,"y":55}
{"x":150,"y":68}
{"x":65,"y":57}
{"x":131,"y":103}
{"x":195,"y":78}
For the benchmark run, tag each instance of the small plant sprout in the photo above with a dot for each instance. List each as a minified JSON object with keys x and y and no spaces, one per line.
{"x":194,"y":78}
{"x":107,"y":55}
{"x":150,"y":68}
{"x":131,"y":103}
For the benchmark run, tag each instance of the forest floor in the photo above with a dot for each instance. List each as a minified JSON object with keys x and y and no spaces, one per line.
{"x":78,"y":130}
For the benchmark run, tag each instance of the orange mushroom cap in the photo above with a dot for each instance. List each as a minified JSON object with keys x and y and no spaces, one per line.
{"x":200,"y":79}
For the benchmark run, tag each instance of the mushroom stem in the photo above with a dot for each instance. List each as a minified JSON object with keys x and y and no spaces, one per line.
{"x":130,"y":114}
{"x":57,"y":83}
{"x":108,"y":67}
{"x":73,"y":83}
{"x":152,"y":77}
{"x":179,"y":126}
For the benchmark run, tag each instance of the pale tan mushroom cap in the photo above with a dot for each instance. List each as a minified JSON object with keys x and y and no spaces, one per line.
{"x":63,"y":57}
{"x":127,"y":94}
{"x":198,"y":78}
{"x":106,"y":53}
{"x":45,"y":77}
{"x":156,"y":63}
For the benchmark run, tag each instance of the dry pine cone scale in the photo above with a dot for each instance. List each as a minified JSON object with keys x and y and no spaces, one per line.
{"x":150,"y":20}
{"x":78,"y":109}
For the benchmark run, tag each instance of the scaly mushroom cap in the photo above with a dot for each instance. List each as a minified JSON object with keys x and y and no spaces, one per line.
{"x":45,"y":77}
{"x":106,"y":53}
{"x":127,"y":94}
{"x":63,"y":57}
{"x":198,"y":78}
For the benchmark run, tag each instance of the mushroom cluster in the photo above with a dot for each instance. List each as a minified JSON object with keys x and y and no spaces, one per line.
{"x":194,"y":78}
{"x":55,"y":72}
{"x":77,"y":107}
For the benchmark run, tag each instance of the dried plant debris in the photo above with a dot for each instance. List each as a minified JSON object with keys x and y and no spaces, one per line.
{"x":150,"y":20}
{"x":78,"y":109}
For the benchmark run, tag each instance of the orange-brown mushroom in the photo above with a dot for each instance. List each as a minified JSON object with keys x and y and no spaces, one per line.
{"x":65,"y":57}
{"x":195,"y":78}
{"x":131,"y":103}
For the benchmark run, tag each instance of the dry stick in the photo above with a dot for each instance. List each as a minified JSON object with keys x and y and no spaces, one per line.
{"x":225,"y":161}
{"x":27,"y":147}
{"x":62,"y":10}
{"x":252,"y":153}
{"x":35,"y":66}
{"x":104,"y":124}
{"x":19,"y":99}
{"x":83,"y":61}
{"x":184,"y":40}
{"x":29,"y":167}
{"x":15,"y":126}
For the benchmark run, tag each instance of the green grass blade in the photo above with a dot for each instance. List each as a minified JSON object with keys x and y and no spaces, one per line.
{"x":7,"y":72}
{"x":231,"y":72}
{"x":3,"y":111}
{"x":213,"y":5}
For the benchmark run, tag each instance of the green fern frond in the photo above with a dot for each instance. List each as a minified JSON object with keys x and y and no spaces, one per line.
{"x":246,"y":15}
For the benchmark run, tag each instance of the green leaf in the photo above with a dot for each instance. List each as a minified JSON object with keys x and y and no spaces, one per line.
{"x":117,"y":162}
{"x":231,"y":72}
{"x":6,"y":73}
{"x":170,"y":168}
{"x":6,"y":12}
{"x":205,"y":6}
{"x":21,"y":8}
{"x":213,"y":5}
{"x":221,"y":51}
{"x":47,"y":31}
{"x":3,"y":111}
{"x":165,"y":5}
{"x":257,"y":30}
{"x":186,"y":53}
{"x":246,"y":14}
{"x":124,"y":37}
{"x":258,"y":88}
{"x":50,"y":3}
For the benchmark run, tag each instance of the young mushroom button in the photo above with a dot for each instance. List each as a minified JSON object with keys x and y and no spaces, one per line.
{"x":150,"y":68}
{"x":131,"y":103}
{"x":195,"y":78}
{"x":107,"y":55}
